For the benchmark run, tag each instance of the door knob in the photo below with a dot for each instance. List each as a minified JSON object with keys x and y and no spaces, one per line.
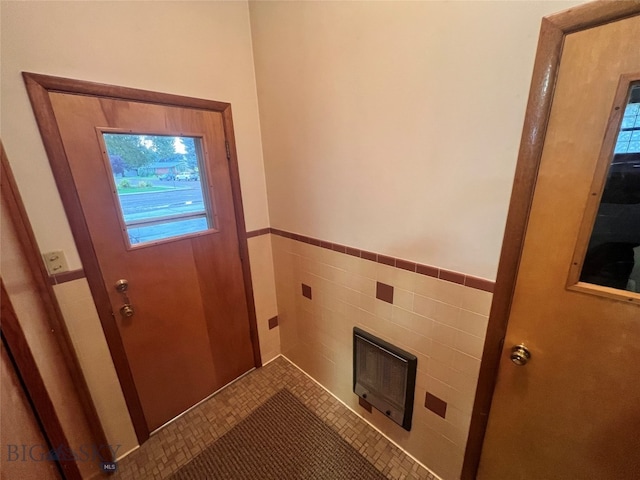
{"x":122,"y":285}
{"x":126,"y":311}
{"x":520,"y":355}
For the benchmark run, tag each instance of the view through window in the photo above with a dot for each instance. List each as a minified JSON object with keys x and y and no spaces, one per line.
{"x":613,"y":254}
{"x":158,"y":181}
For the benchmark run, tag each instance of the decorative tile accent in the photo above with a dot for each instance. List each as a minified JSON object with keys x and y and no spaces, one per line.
{"x":273,"y":322}
{"x":406,"y":265}
{"x":387,"y":260}
{"x":454,"y":277}
{"x":306,"y":291}
{"x":183,"y":439}
{"x":384,"y":292}
{"x":339,"y":248}
{"x":479,"y":283}
{"x":369,"y":256}
{"x":428,"y":270}
{"x":436,"y":405}
{"x":257,"y":233}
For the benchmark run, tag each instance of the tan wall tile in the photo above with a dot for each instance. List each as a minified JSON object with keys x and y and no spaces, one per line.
{"x":476,"y":301}
{"x":443,"y":333}
{"x":440,"y":322}
{"x":403,"y":298}
{"x":466,"y":364}
{"x":445,"y":313}
{"x":473,"y":323}
{"x":424,"y":306}
{"x":469,"y":344}
{"x":81,"y":317}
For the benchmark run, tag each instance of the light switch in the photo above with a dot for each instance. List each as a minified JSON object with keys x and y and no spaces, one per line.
{"x":55,"y":262}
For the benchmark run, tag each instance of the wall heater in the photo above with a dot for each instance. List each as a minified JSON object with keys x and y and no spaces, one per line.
{"x":384,"y":376}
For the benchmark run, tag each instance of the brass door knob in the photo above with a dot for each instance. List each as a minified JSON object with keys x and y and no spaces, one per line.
{"x":126,"y":311}
{"x":122,"y":285}
{"x":520,"y":355}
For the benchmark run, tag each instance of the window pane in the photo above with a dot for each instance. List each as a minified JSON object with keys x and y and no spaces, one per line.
{"x":158,"y":182}
{"x":613,"y":254}
{"x":152,"y":233}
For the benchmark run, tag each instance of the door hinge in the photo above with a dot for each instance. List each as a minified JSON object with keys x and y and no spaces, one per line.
{"x":228,"y":150}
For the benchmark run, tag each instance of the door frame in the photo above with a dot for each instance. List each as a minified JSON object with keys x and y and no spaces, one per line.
{"x":18,"y":348}
{"x":38,"y":88}
{"x":553,"y":31}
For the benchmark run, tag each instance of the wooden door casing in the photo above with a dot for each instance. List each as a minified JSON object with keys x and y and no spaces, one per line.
{"x":554,"y":30}
{"x":26,"y":275}
{"x":42,"y":90}
{"x":22,"y":428}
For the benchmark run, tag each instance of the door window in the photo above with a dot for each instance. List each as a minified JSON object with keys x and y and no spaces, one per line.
{"x":613,"y":253}
{"x":158,"y":182}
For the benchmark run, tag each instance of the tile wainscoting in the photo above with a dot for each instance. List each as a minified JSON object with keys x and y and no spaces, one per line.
{"x":324,"y":290}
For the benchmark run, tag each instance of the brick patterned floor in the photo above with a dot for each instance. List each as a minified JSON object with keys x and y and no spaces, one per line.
{"x":180,"y":441}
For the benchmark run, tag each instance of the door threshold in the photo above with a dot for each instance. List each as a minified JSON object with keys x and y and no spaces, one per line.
{"x":200,"y":402}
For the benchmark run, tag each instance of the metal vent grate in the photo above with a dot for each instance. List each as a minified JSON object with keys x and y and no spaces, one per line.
{"x":384,"y":376}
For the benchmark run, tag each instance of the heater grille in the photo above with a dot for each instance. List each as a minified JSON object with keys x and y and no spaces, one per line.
{"x":384,"y":376}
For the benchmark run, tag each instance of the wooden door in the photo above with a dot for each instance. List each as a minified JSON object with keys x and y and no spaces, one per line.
{"x":19,"y":426}
{"x":190,"y":333}
{"x":573,"y":411}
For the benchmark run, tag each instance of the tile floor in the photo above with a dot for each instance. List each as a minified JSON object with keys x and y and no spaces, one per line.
{"x":179,"y":442}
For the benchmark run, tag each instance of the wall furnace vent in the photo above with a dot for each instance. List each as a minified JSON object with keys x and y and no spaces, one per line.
{"x":384,"y":376}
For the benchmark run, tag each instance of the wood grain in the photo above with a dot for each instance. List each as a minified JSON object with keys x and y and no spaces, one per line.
{"x":45,"y":118}
{"x":190,"y":334}
{"x":22,"y":427}
{"x":554,"y":28}
{"x":596,"y":191}
{"x":576,"y":401}
{"x":26,"y":365}
{"x":531,"y":143}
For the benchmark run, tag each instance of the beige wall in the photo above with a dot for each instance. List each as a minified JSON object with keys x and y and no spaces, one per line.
{"x":394,"y":126}
{"x":264,"y":291}
{"x":199,"y":49}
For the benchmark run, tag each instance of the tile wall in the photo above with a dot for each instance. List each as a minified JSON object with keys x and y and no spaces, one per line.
{"x":85,"y":330}
{"x":324,"y":290}
{"x":264,"y":295}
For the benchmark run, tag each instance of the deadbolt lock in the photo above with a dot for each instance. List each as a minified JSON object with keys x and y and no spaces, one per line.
{"x":122,"y":285}
{"x":520,"y":355}
{"x":126,"y":311}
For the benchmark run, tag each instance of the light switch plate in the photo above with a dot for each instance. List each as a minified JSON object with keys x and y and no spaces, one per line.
{"x":55,"y":262}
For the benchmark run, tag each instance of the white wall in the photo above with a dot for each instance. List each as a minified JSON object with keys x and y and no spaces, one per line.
{"x":394,"y":126}
{"x":199,"y":49}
